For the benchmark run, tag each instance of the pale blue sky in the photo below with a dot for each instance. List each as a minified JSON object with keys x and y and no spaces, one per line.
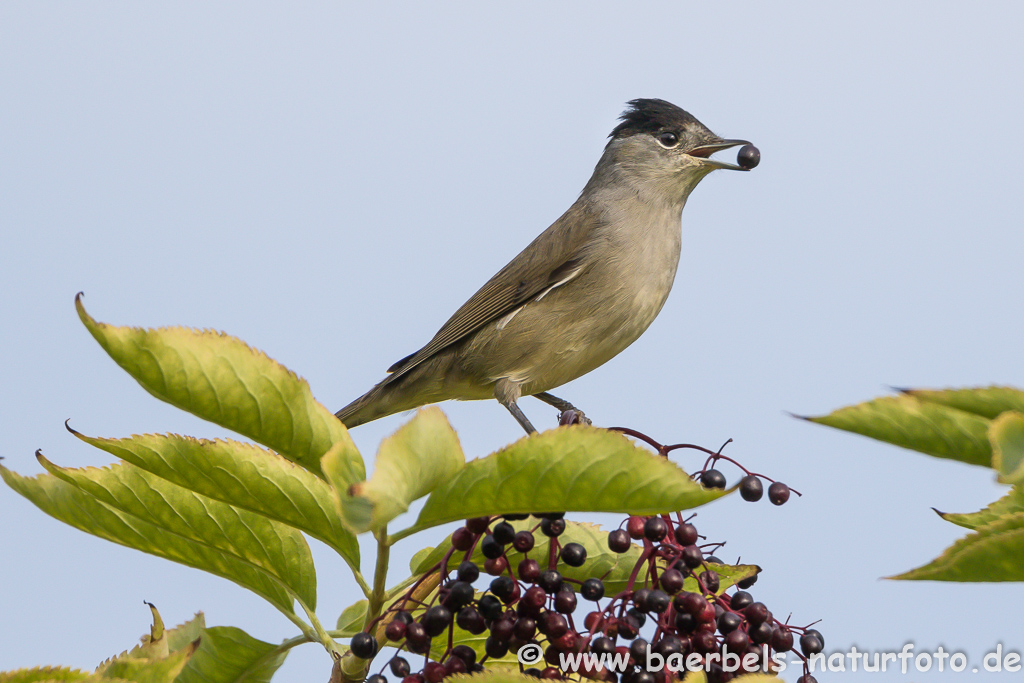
{"x":329,"y":182}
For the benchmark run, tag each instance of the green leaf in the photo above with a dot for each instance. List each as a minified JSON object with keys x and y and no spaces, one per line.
{"x":230,"y":655}
{"x":352,"y":618}
{"x":571,"y":468}
{"x":72,"y":506}
{"x":221,"y":379}
{"x":1011,"y":503}
{"x":988,"y":402}
{"x":728,"y":576}
{"x":921,"y":426}
{"x":992,"y":553}
{"x":412,"y":462}
{"x":43,"y":674}
{"x":277,"y":549}
{"x":499,"y":676}
{"x":147,"y":670}
{"x":1007,"y":436}
{"x":242,"y":475}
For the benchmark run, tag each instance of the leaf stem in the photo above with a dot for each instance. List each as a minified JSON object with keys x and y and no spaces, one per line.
{"x":380,"y":574}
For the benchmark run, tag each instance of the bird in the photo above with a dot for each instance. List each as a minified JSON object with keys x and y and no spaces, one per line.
{"x":583,"y":290}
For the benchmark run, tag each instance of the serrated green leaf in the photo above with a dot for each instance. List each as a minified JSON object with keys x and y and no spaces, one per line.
{"x":72,"y":506}
{"x":412,"y":462}
{"x":183,"y":634}
{"x":992,"y":553}
{"x":572,"y":468}
{"x":930,"y":428}
{"x":230,"y":655}
{"x":43,"y":674}
{"x":221,"y":379}
{"x":277,"y":549}
{"x":242,"y":475}
{"x":1006,"y":433}
{"x":1012,"y":502}
{"x":163,"y":670}
{"x":988,"y":402}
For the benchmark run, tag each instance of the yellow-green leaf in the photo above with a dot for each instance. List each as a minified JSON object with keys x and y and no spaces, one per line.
{"x":72,"y":506}
{"x":927,"y":427}
{"x":1009,"y":504}
{"x":1007,"y":436}
{"x":570,"y":468}
{"x":992,"y":553}
{"x":412,"y":462}
{"x":221,"y":379}
{"x":988,"y":402}
{"x":230,"y":655}
{"x":242,"y":475}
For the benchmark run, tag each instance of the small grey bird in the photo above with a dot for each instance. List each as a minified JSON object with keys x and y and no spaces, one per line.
{"x":581,"y":292}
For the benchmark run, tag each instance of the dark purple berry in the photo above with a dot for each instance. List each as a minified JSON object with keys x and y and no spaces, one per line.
{"x":667,"y":646}
{"x":552,"y":624}
{"x":573,"y":554}
{"x":478,"y":525}
{"x":712,"y":479}
{"x":685,"y":623}
{"x":416,"y":638}
{"x":761,"y":633}
{"x":436,"y":619}
{"x":635,"y":527}
{"x":778,"y":493}
{"x":657,"y":602}
{"x":403,"y":616}
{"x":535,"y":597}
{"x":756,"y":613}
{"x":395,"y":631}
{"x":363,"y":645}
{"x":399,"y":667}
{"x":468,"y":572}
{"x":602,"y":646}
{"x":638,"y":616}
{"x":751,"y":488}
{"x":515,"y":517}
{"x":737,"y":641}
{"x":729,"y":622}
{"x":470,"y":619}
{"x":710,"y":580}
{"x":503,"y":587}
{"x":629,"y":626}
{"x":691,"y":603}
{"x":807,"y":678}
{"x":502,"y":629}
{"x":490,"y":547}
{"x":525,"y":628}
{"x":376,"y":678}
{"x":463,"y":539}
{"x":433,"y":672}
{"x":655,"y":529}
{"x":550,"y":580}
{"x":782,"y":639}
{"x":593,"y":589}
{"x":748,"y":157}
{"x":465,"y":653}
{"x":671,"y":581}
{"x":496,"y":566}
{"x":740,"y":600}
{"x":810,"y":645}
{"x":490,"y":607}
{"x":495,"y":649}
{"x":686,"y":534}
{"x":638,"y":650}
{"x":460,"y":594}
{"x":747,"y":582}
{"x":523,"y":541}
{"x":503,"y":533}
{"x":552,"y":528}
{"x":529,"y":571}
{"x":692,"y":556}
{"x":454,"y":666}
{"x":816,"y":634}
{"x":565,"y":601}
{"x":618,"y":541}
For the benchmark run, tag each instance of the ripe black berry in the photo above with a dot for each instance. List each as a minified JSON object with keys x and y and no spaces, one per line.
{"x":740,"y":600}
{"x":468,"y":572}
{"x":671,"y":581}
{"x":460,"y":594}
{"x":565,"y":601}
{"x":629,"y":625}
{"x":657,"y":602}
{"x":525,"y":628}
{"x":592,"y":589}
{"x":810,"y":645}
{"x":751,"y":488}
{"x":363,"y":645}
{"x":692,"y":556}
{"x":782,"y":639}
{"x":503,"y":587}
{"x":515,"y":517}
{"x":635,"y":527}
{"x":638,"y":650}
{"x":618,"y":541}
{"x":495,"y":649}
{"x":395,"y":630}
{"x":478,"y":525}
{"x":686,"y":534}
{"x":573,"y":554}
{"x":817,"y":634}
{"x":756,"y":613}
{"x":710,"y":580}
{"x":436,"y":620}
{"x":550,"y":580}
{"x":552,"y":527}
{"x":416,"y":638}
{"x":529,"y":571}
{"x":712,"y":479}
{"x":400,"y":667}
{"x":638,"y":616}
{"x":523,"y":541}
{"x":433,"y":672}
{"x":503,"y":533}
{"x":667,"y":646}
{"x":737,"y":641}
{"x":465,"y":653}
{"x":807,"y":678}
{"x":490,"y":607}
{"x":376,"y":678}
{"x":491,"y":548}
{"x":655,"y":529}
{"x":747,"y":582}
{"x":748,"y":157}
{"x":463,"y":539}
{"x":602,"y":646}
{"x":761,"y":633}
{"x":728,"y":622}
{"x":778,"y":493}
{"x":470,"y":619}
{"x":552,"y":624}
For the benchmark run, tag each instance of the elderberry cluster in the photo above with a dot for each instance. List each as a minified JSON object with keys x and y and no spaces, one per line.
{"x":670,"y":604}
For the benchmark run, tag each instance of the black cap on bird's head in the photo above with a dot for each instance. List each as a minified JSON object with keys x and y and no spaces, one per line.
{"x":673,"y":127}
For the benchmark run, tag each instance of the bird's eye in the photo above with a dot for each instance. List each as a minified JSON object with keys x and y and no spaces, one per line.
{"x":668,"y":139}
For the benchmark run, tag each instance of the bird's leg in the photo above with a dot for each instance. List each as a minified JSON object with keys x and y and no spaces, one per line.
{"x":564,"y":407}
{"x":508,"y":392}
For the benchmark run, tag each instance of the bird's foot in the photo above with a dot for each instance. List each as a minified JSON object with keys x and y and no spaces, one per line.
{"x":573,"y":416}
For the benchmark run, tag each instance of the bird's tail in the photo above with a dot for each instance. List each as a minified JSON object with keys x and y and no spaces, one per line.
{"x":377,"y":402}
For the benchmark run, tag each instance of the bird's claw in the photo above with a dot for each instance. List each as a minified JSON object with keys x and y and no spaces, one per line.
{"x":572,"y":417}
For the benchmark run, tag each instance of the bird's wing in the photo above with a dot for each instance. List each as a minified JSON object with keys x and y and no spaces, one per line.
{"x":557,"y":255}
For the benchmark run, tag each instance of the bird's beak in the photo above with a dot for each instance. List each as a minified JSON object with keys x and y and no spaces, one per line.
{"x":705,"y":151}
